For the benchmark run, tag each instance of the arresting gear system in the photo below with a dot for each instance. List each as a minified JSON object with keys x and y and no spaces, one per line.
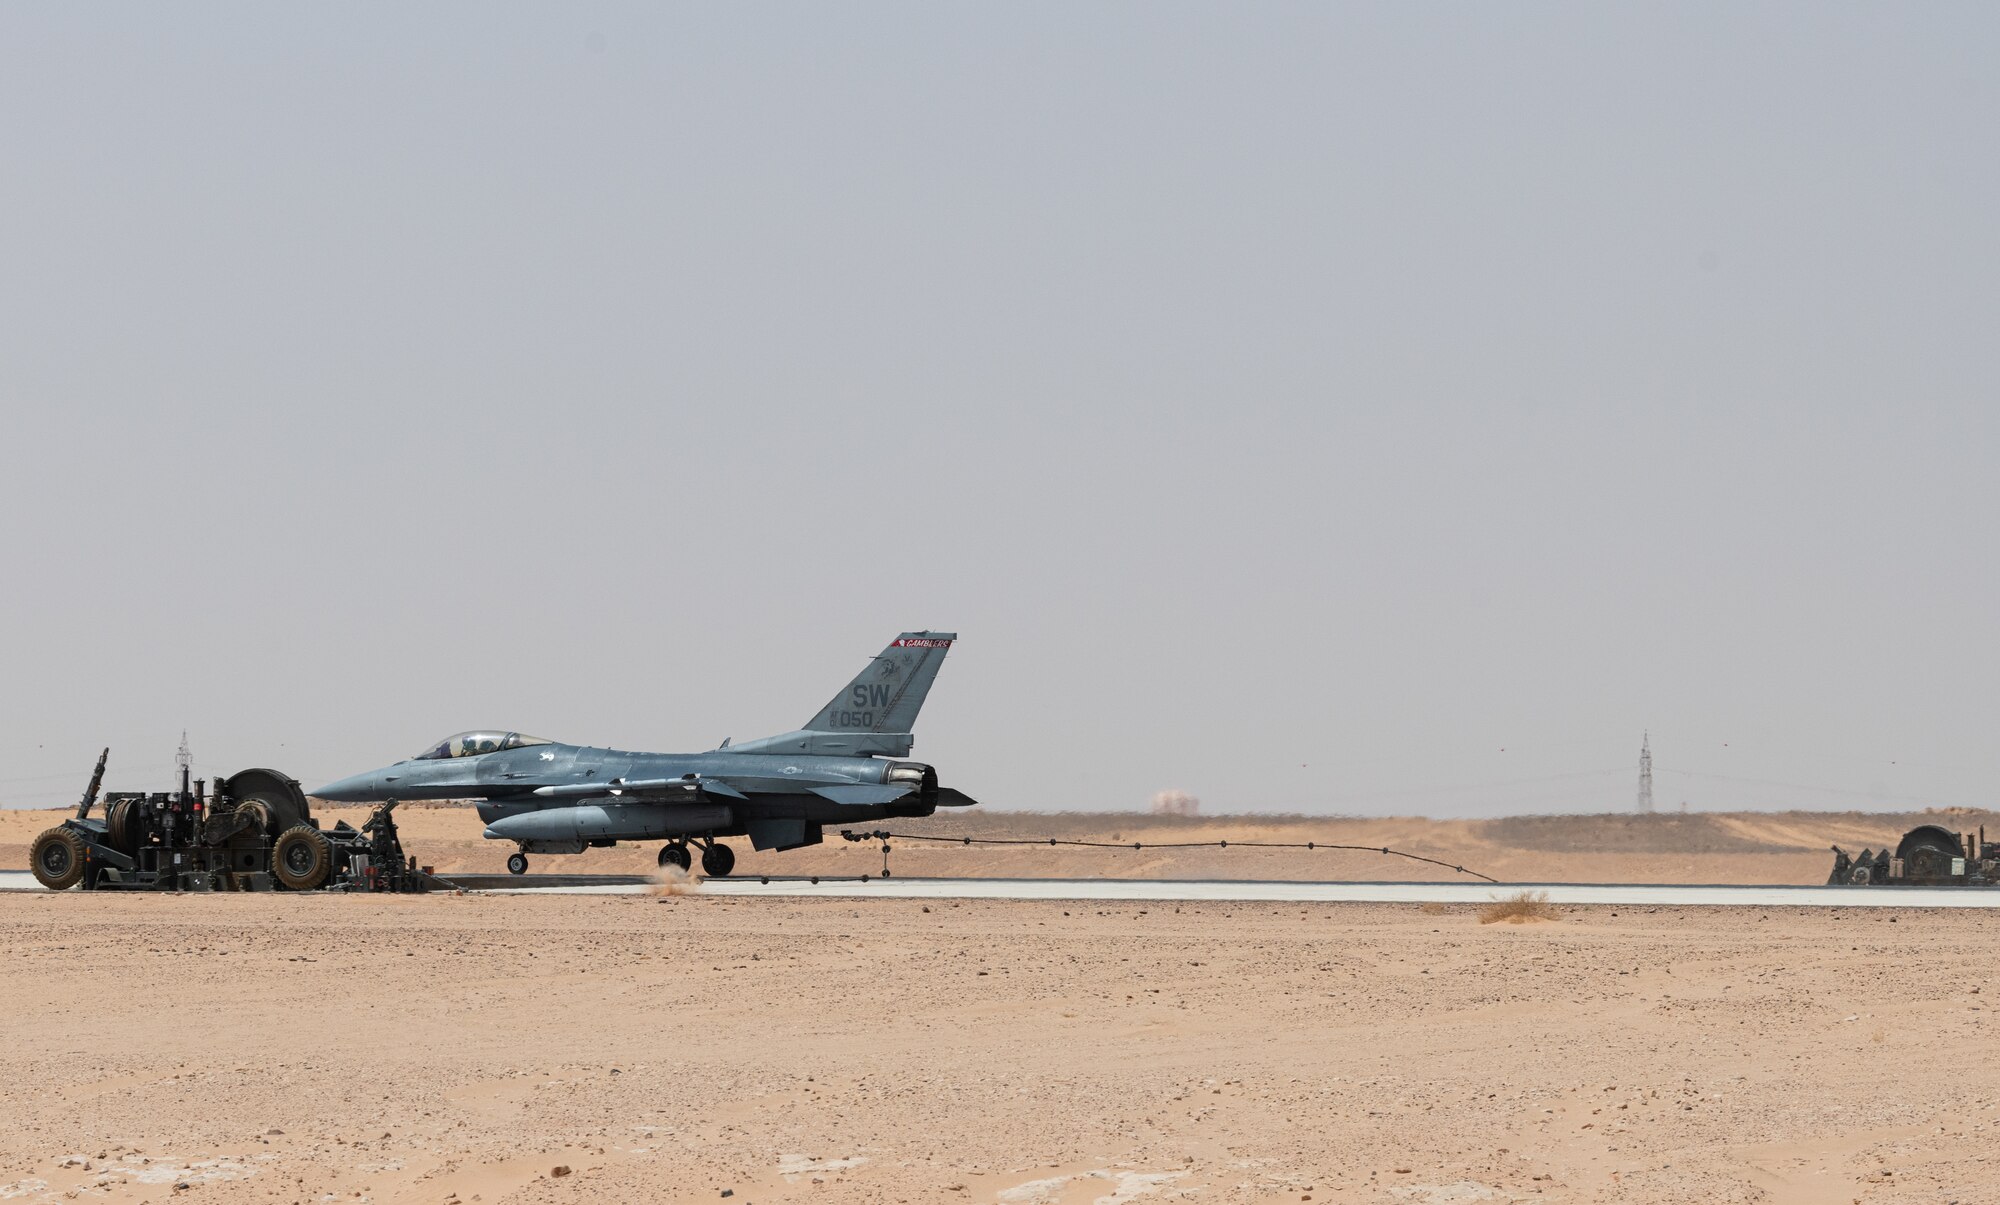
{"x":1929,"y":855}
{"x":253,"y":832}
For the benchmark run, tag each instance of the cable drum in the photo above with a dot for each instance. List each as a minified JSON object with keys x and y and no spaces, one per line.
{"x":256,"y":815}
{"x":283,"y":800}
{"x":121,"y":825}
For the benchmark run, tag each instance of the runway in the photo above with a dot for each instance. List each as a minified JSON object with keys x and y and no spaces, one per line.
{"x":1244,"y":891}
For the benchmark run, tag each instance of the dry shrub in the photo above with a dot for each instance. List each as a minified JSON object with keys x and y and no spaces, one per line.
{"x":1519,"y":909}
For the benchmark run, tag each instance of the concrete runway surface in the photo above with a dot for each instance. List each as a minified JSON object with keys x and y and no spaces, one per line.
{"x":1247,"y":891}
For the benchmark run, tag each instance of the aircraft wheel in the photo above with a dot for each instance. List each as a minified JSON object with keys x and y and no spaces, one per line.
{"x":675,"y":855}
{"x":517,"y":864}
{"x":57,"y":859}
{"x":718,"y":860}
{"x":302,"y":859}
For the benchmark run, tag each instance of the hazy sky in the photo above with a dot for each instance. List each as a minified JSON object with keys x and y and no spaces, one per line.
{"x":1388,"y":408}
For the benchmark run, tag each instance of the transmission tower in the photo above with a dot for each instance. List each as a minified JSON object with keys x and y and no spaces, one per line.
{"x":1646,"y":773}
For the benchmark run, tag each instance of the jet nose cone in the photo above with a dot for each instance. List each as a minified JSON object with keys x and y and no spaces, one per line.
{"x":357,"y":788}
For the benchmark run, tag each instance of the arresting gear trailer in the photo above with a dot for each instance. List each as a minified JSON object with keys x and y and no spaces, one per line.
{"x":1929,"y":855}
{"x":254,"y":832}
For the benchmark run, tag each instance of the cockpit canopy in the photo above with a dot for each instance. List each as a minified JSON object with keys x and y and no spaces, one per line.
{"x":472,"y":744}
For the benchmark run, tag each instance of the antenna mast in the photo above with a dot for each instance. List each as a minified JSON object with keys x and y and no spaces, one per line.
{"x":184,"y":760}
{"x":1646,"y":773}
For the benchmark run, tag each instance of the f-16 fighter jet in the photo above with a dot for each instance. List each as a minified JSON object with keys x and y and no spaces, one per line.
{"x":552,"y":798}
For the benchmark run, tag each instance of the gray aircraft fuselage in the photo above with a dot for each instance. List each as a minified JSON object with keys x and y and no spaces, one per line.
{"x":549,"y":797}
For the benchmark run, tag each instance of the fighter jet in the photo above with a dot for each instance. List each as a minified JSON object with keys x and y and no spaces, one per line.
{"x":779,"y":791}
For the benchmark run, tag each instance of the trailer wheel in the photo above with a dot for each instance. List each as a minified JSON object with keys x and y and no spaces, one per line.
{"x":302,"y":858}
{"x":1862,"y":875}
{"x":57,"y":858}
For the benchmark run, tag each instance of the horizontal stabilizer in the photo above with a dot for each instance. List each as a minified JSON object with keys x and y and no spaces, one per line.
{"x":861,"y":793}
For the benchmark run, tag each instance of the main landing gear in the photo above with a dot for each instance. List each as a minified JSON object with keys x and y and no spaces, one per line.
{"x":717,"y":859}
{"x":517,"y":864}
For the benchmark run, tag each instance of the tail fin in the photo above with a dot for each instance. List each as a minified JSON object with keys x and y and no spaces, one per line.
{"x":873,"y":714}
{"x":887,"y":695}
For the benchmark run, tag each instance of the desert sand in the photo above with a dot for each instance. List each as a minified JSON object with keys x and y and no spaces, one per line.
{"x":466,"y":1048}
{"x":461,"y":1048}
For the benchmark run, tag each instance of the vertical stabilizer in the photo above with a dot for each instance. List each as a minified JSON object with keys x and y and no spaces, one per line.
{"x":886,"y":696}
{"x":871,"y":716}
